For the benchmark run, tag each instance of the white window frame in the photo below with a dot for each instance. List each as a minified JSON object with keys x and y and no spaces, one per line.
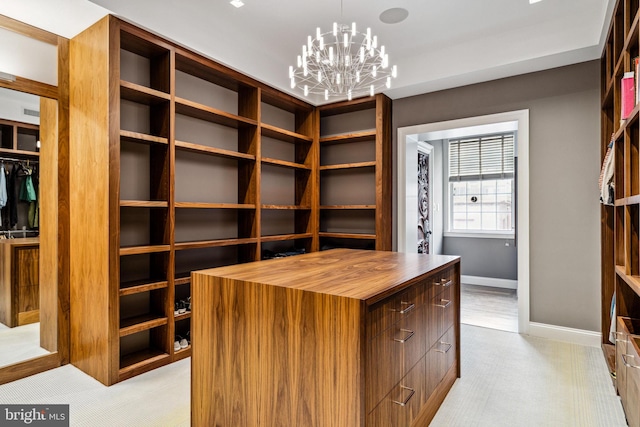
{"x":495,"y":234}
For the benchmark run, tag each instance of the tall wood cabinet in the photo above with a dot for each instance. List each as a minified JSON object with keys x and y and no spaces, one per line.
{"x":178,"y":164}
{"x":620,"y":224}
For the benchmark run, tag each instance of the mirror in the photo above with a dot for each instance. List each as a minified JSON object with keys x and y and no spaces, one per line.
{"x":34,"y":265}
{"x":25,"y":124}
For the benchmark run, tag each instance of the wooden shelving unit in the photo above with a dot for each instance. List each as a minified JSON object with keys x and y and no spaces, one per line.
{"x":192,"y":166}
{"x":197,"y":166}
{"x":620,"y":223}
{"x":355,"y":174}
{"x":19,"y":139}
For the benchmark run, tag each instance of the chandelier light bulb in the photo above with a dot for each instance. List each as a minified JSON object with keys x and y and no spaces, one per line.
{"x":346,"y":65}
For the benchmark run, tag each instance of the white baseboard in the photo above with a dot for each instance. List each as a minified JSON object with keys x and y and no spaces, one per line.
{"x":489,"y":281}
{"x":561,"y":333}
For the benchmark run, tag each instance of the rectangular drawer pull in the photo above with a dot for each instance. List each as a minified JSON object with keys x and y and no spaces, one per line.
{"x":405,"y":307}
{"x":407,"y":399}
{"x":448,"y":348}
{"x":627,"y":364}
{"x":444,"y":283}
{"x":406,"y":338}
{"x":446,"y":304}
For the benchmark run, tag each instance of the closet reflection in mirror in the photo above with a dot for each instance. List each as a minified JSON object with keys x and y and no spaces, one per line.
{"x":22,"y":334}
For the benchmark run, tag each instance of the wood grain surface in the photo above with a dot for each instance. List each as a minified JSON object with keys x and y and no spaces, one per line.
{"x":296,"y":341}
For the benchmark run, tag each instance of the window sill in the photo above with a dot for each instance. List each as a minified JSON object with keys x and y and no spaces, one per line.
{"x":481,"y":235}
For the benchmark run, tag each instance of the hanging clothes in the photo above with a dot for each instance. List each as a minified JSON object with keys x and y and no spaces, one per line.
{"x":28,"y":194}
{"x":12,"y":199}
{"x":3,"y":187}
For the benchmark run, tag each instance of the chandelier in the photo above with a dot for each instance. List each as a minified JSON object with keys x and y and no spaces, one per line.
{"x":342,"y":62}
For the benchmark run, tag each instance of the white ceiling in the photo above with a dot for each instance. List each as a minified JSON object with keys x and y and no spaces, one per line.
{"x":442,"y":44}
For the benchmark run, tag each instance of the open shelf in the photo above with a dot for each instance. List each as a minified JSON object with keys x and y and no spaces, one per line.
{"x":212,"y":151}
{"x":137,"y":250}
{"x":142,"y":138}
{"x":141,"y":94}
{"x":143,"y":204}
{"x":137,"y":324}
{"x":203,"y":112}
{"x":349,"y":137}
{"x":285,"y":164}
{"x":198,"y":205}
{"x":139,"y":286}
{"x":143,"y":358}
{"x":348,"y":166}
{"x":284,"y":135}
{"x":285,"y":207}
{"x":357,"y":236}
{"x":213,"y":243}
{"x":282,"y":237}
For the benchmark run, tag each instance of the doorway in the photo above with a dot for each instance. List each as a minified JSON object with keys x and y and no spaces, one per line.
{"x":435,"y":134}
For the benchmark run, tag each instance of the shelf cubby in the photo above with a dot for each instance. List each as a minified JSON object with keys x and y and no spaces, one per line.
{"x":145,"y":62}
{"x":143,"y":350}
{"x":137,"y":271}
{"x":208,"y":224}
{"x":142,"y":311}
{"x":350,"y":186}
{"x":143,"y":171}
{"x":142,"y":226}
{"x":349,"y":221}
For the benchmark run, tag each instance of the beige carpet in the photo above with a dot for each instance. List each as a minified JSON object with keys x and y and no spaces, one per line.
{"x":513,"y":380}
{"x":508,"y":380}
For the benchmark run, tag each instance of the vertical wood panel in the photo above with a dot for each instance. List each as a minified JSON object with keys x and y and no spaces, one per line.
{"x":48,"y":213}
{"x":89,"y":202}
{"x":280,"y":353}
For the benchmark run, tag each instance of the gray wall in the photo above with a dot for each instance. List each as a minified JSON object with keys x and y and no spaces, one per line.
{"x":564,"y":121}
{"x":484,"y":257}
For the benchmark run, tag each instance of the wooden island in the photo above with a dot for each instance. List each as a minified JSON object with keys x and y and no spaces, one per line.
{"x":334,"y":338}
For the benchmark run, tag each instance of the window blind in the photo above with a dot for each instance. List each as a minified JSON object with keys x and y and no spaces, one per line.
{"x":484,"y":157}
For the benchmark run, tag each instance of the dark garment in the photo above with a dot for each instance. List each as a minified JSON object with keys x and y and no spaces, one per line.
{"x":12,"y":197}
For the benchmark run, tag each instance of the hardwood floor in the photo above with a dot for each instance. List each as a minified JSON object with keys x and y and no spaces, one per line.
{"x":495,"y":308}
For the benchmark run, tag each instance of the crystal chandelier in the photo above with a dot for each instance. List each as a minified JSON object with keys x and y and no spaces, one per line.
{"x":342,"y":62}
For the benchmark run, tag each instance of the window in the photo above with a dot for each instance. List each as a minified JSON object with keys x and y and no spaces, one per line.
{"x":481,"y":184}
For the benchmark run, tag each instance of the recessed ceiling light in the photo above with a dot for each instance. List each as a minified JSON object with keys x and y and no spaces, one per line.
{"x":237,"y":3}
{"x":394,"y":15}
{"x":534,"y":1}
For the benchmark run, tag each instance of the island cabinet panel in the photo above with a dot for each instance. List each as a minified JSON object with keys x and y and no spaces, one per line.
{"x":342,"y":337}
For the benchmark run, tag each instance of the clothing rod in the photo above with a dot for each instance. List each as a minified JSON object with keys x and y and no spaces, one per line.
{"x":9,"y":159}
{"x":17,"y":231}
